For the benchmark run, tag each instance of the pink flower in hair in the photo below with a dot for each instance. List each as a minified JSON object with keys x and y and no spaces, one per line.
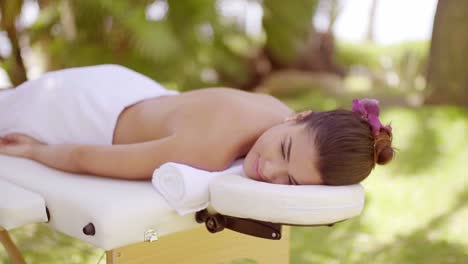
{"x":369,"y":110}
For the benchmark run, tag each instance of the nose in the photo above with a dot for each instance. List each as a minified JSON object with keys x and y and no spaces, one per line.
{"x":274,"y":170}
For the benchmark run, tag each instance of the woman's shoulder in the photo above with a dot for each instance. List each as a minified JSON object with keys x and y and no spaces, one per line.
{"x":260,"y":100}
{"x":232,"y":104}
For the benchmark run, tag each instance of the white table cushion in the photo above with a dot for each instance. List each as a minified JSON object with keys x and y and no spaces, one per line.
{"x":19,"y":207}
{"x":239,"y":196}
{"x":121,"y":211}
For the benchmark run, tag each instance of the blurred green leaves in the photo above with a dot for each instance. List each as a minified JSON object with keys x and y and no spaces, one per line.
{"x":190,"y":45}
{"x":288,"y":34}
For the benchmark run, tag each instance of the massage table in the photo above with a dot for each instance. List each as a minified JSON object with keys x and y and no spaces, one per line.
{"x":133,"y":223}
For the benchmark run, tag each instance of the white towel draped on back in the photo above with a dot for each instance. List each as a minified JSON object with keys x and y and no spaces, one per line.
{"x":76,"y":105}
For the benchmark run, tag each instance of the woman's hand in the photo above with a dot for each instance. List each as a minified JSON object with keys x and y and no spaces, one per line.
{"x":18,"y":145}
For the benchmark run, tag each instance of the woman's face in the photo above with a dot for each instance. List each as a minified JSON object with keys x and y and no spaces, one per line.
{"x":284,"y":154}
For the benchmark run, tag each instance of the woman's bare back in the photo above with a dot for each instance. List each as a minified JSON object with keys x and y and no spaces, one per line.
{"x":225,"y":121}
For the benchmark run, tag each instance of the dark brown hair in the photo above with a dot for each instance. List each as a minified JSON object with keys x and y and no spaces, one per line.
{"x":347,"y":149}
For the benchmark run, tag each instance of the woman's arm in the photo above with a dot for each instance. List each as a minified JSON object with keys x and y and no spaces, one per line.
{"x":131,"y":161}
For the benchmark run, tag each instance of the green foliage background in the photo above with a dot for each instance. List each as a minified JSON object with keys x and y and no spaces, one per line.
{"x":193,"y":37}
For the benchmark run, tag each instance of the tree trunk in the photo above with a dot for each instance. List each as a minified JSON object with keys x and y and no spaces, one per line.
{"x":447,"y":76}
{"x":288,"y":28}
{"x":14,"y":64}
{"x":16,"y":69}
{"x":333,"y":13}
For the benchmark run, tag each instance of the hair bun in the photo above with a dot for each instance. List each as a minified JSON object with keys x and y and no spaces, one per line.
{"x":383,"y":148}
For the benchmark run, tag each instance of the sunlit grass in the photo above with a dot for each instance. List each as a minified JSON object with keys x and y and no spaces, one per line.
{"x":39,"y":244}
{"x":371,"y":54}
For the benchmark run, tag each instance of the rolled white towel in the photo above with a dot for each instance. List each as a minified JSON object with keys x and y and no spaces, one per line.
{"x":186,"y":188}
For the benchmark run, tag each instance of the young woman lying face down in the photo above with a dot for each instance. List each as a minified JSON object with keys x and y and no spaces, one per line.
{"x":210,"y":128}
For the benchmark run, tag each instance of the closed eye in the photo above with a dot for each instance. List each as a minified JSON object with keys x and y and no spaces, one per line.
{"x":291,"y":180}
{"x":282,"y":150}
{"x":289,"y":148}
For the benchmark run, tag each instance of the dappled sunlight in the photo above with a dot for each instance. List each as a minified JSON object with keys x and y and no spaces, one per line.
{"x":357,"y":83}
{"x":420,"y":138}
{"x":314,"y":101}
{"x":326,"y":244}
{"x":420,"y":246}
{"x":39,"y":244}
{"x":360,"y":240}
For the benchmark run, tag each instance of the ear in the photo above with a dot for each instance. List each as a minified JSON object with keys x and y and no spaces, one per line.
{"x":299,"y":116}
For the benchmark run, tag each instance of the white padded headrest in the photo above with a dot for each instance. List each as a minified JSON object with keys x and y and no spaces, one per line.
{"x":238,"y":196}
